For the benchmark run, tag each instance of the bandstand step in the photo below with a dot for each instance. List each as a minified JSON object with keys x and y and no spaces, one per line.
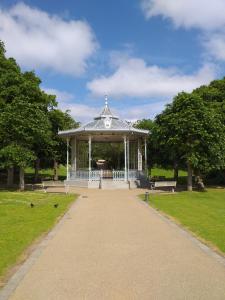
{"x":76,"y":183}
{"x":108,"y":184}
{"x":105,"y":184}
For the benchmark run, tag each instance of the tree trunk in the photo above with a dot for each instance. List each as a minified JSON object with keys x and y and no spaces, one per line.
{"x":175,"y":171}
{"x":37,"y":168}
{"x":10,"y":176}
{"x":55,"y":167}
{"x":21,"y":184}
{"x":189,"y":179}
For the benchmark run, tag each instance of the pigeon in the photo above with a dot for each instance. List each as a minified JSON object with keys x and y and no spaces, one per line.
{"x":56,"y":205}
{"x":31,"y":205}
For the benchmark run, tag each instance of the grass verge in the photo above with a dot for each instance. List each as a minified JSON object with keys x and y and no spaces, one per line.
{"x":167,"y":173}
{"x":203,"y":213}
{"x":21,"y":224}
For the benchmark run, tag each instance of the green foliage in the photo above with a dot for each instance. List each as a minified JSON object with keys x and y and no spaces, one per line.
{"x":200,"y":212}
{"x":2,"y":48}
{"x":193,"y":132}
{"x":190,"y":130}
{"x":15,"y":155}
{"x":113,"y":153}
{"x":29,"y":119}
{"x":23,"y":126}
{"x":144,"y":124}
{"x":20,"y":224}
{"x":25,"y":123}
{"x":152,"y":152}
{"x":59,"y":121}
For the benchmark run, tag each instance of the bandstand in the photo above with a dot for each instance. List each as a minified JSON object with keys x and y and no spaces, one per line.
{"x":84,"y":171}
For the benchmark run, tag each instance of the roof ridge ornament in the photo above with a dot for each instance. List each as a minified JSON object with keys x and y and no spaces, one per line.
{"x":106,"y":111}
{"x":106,"y":100}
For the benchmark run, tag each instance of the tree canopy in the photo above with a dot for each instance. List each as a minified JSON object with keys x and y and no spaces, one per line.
{"x":29,"y":118}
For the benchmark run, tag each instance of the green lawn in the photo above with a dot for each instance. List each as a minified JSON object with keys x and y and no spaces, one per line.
{"x":167,"y":173}
{"x":203,"y":213}
{"x":20,"y":224}
{"x":47,"y":173}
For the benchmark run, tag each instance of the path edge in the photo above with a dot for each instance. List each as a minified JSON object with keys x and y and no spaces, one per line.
{"x":18,"y":276}
{"x":197,"y":242}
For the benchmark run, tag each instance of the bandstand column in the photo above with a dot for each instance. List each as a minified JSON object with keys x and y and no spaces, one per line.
{"x":74,"y":154}
{"x":128,"y":158}
{"x":125,"y":158}
{"x":67,"y":159}
{"x":139,"y":156}
{"x":89,"y":155}
{"x":146,"y":163}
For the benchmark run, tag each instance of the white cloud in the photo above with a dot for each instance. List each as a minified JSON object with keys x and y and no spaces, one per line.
{"x":204,"y":14}
{"x":215,"y":45}
{"x":40,"y":40}
{"x":67,"y":101}
{"x":134,"y":78}
{"x":61,"y":96}
{"x":144,"y":111}
{"x":85,"y":113}
{"x":80,"y":112}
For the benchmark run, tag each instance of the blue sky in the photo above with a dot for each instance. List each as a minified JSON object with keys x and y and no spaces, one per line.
{"x":139,"y":52}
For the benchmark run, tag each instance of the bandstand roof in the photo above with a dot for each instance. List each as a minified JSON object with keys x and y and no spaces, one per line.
{"x":105,"y":123}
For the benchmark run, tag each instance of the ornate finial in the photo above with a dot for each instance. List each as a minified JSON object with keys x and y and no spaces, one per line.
{"x":106,"y":100}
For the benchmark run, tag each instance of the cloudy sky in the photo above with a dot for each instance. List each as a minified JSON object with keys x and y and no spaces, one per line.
{"x":139,"y":52}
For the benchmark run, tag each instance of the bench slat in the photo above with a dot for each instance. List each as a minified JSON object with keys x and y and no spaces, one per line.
{"x":165,"y":184}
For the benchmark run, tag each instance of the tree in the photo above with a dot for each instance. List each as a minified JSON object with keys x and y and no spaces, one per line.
{"x":15,"y":155}
{"x":10,"y":79}
{"x":59,"y":121}
{"x":194,"y":132}
{"x":22,"y":126}
{"x":19,"y":91}
{"x":29,"y":120}
{"x":214,"y":96}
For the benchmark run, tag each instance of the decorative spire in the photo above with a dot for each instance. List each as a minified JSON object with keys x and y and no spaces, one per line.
{"x":106,"y":101}
{"x":106,"y":111}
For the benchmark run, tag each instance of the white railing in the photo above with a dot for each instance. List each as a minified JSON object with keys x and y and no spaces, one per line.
{"x":132,"y":174}
{"x":118,"y":175}
{"x":96,"y":175}
{"x":84,"y":175}
{"x":135,"y":174}
{"x":106,"y":173}
{"x":80,"y":174}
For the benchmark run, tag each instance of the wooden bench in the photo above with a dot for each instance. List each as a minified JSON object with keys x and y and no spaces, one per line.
{"x":162,"y":184}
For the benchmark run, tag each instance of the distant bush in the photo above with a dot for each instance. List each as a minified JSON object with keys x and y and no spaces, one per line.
{"x":216,"y":177}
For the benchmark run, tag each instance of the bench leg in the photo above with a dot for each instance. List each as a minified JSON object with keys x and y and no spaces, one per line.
{"x":66,"y":189}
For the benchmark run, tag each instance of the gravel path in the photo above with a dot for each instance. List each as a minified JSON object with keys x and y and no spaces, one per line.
{"x":112,"y":246}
